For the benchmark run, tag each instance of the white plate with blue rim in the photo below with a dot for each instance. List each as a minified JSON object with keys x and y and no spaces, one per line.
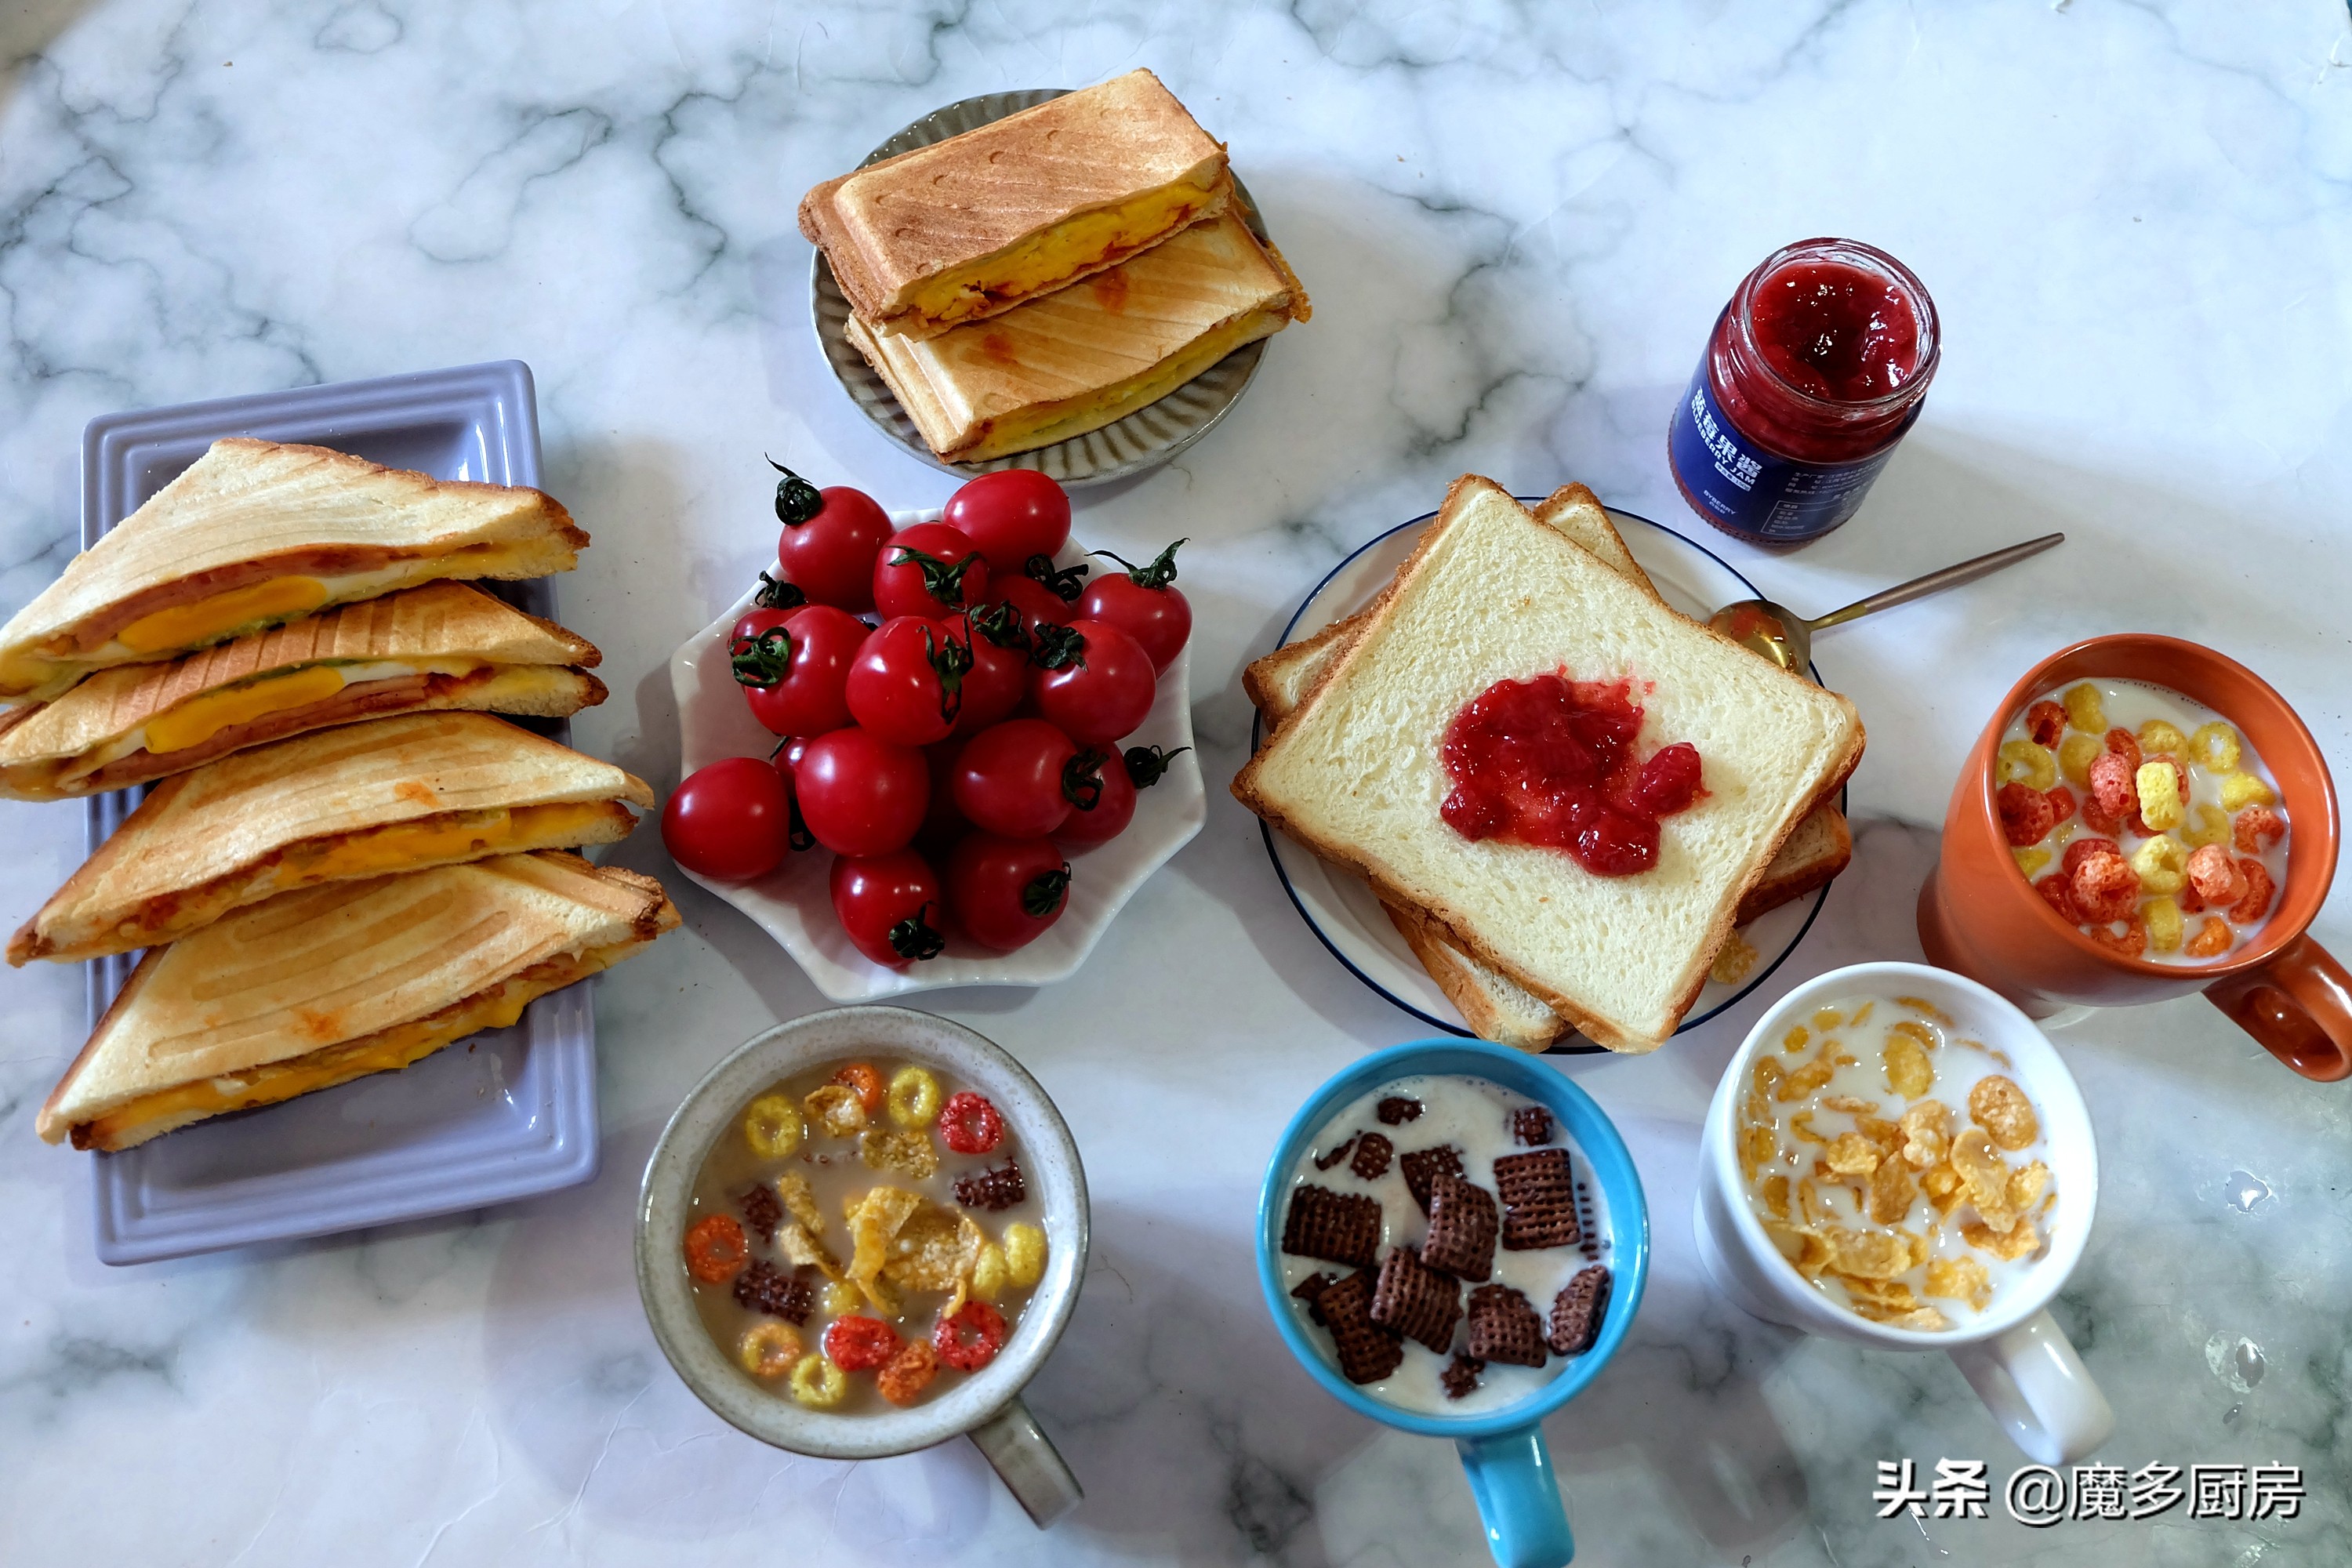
{"x":1341,"y":909}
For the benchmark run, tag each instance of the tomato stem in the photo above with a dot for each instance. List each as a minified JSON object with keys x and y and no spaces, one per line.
{"x":941,"y":580}
{"x":1058,"y":647}
{"x":797,"y":501}
{"x":1000,"y":623}
{"x":1146,"y":763}
{"x":1065,"y":585}
{"x":916,"y":938}
{"x":776,"y":595}
{"x":1082,"y":778}
{"x":1158,"y":575}
{"x":764,"y":660}
{"x":1046,"y":891}
{"x":951,"y":663}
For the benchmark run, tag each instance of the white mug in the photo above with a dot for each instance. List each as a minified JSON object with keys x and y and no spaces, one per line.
{"x":2013,"y":1354}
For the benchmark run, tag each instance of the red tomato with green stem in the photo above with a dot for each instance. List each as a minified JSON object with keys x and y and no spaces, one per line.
{"x":861,"y":794}
{"x":906,"y":682}
{"x":1144,"y":603}
{"x":999,"y":677}
{"x":890,"y":907}
{"x":1012,"y":515}
{"x":1014,"y":778}
{"x":826,"y":549}
{"x":795,"y":673}
{"x":1102,"y":797}
{"x":729,"y":821}
{"x":1006,"y":892}
{"x":928,"y":569}
{"x":1091,"y":681}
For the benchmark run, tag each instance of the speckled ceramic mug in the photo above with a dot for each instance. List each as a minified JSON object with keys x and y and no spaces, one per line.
{"x":985,"y":1407}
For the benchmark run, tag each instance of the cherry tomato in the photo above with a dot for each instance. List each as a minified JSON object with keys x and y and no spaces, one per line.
{"x":1036,"y":604}
{"x":1012,"y":515}
{"x":730,"y":820}
{"x":861,"y":794}
{"x":907,"y":683}
{"x":1102,"y":797}
{"x":1142,"y":603}
{"x":786,"y":757}
{"x":826,"y":549}
{"x":1093,"y":681}
{"x":930,"y":569}
{"x":943,"y":820}
{"x":795,"y":674}
{"x":890,"y":907}
{"x":1009,"y":778}
{"x":999,"y":677}
{"x":1005,"y":891}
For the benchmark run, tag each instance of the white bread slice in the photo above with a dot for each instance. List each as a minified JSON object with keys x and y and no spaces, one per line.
{"x":1492,"y":594}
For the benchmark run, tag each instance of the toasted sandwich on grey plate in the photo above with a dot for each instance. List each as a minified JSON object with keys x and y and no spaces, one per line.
{"x":1496,"y":1008}
{"x":334,"y":806}
{"x":257,"y":533}
{"x":970,"y":227}
{"x":319,"y":986}
{"x":444,"y":646}
{"x":1077,"y":359}
{"x":1489,"y":594}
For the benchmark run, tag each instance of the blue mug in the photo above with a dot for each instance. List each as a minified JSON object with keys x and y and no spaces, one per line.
{"x":1503,"y":1451}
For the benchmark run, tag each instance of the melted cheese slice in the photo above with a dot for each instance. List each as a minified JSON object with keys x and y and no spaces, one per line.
{"x":438,"y":841}
{"x":200,"y":718}
{"x":1042,"y":424}
{"x":137,"y":1120}
{"x":1052,"y":257}
{"x":211,"y":620}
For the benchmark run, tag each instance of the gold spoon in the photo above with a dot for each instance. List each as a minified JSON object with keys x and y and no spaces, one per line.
{"x":1785,"y":637}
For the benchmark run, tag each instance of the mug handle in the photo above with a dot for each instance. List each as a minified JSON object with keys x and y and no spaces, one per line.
{"x":1030,"y":1466}
{"x":1518,"y":1500}
{"x":2038,"y":1389}
{"x":2298,"y":1005}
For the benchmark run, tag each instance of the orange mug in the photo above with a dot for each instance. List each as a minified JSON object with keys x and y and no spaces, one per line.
{"x":1980,"y":917}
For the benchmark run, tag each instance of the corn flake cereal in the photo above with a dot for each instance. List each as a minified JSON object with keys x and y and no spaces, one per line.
{"x":2017,"y":1241}
{"x":1909,"y":1073}
{"x":1927,"y":1133}
{"x":907,"y":1153}
{"x":836,"y":1109}
{"x":2000,"y":1108}
{"x":1852,"y":1154}
{"x":1961,"y":1279}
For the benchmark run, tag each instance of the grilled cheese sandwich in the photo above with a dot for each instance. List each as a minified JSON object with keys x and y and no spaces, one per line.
{"x":970,"y":227}
{"x":1080,"y":358}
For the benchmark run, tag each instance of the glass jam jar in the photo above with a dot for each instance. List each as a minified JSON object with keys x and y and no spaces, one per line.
{"x":1814,"y":371}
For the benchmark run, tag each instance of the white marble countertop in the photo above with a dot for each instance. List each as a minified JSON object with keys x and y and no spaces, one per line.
{"x":1516,"y":223}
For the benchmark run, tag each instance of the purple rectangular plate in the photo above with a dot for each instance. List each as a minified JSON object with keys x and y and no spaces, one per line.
{"x":506,"y":1115}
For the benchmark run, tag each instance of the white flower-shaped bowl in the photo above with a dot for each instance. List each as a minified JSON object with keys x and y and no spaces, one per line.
{"x":793,"y":903}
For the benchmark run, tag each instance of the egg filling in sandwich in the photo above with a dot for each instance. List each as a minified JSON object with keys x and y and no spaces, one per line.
{"x":339,"y":805}
{"x":1081,"y":357}
{"x":444,"y":646}
{"x":968,"y":228}
{"x":257,"y":533}
{"x":325,"y":984}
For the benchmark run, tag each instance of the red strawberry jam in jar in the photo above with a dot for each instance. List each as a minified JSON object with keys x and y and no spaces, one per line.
{"x":1815,"y":370}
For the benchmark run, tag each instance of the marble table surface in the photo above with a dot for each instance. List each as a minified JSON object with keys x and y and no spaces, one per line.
{"x":1516,"y":223}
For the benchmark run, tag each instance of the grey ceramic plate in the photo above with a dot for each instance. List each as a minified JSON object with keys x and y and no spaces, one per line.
{"x":1135,"y":445}
{"x":504,"y":1115}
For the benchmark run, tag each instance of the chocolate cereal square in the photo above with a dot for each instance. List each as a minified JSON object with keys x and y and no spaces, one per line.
{"x":1416,"y":1301}
{"x":1310,"y":1291}
{"x":1577,"y":1313}
{"x":1460,"y":1376}
{"x":1371,"y":1160}
{"x":1368,"y":1353}
{"x":1531,"y":1126}
{"x":1338,"y":1228}
{"x":1423,"y":1167}
{"x":1539,"y":1194}
{"x":1461,"y":1227}
{"x":764,"y":1288}
{"x":1503,"y":1326}
{"x":1397,"y":1110}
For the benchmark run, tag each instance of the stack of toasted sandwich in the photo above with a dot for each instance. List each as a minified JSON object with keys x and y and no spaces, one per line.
{"x":1050,"y":272}
{"x":347,"y":863}
{"x":1524,"y":941}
